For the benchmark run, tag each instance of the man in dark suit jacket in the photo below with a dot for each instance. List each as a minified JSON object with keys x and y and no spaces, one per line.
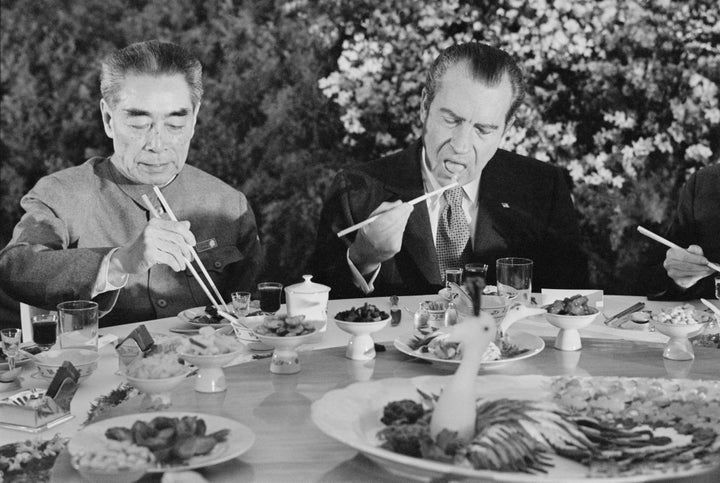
{"x":684,"y":273}
{"x":514,"y":205}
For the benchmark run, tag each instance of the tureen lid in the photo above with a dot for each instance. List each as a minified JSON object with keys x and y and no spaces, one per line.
{"x":308,"y":287}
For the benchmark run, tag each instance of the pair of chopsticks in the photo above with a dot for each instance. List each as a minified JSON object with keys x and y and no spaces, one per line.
{"x":630,"y":310}
{"x":712,"y":307}
{"x":415,"y":201}
{"x":670,"y":244}
{"x":220,"y":308}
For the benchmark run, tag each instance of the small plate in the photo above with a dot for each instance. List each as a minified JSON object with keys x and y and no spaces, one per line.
{"x":531,"y":343}
{"x":239,"y":440}
{"x":190,"y":315}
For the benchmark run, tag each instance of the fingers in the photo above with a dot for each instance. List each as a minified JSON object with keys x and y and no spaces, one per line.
{"x":686,"y":267}
{"x":169,"y":242}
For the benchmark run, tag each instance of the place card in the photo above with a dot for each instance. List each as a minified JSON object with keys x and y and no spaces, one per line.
{"x":135,"y":345}
{"x":35,"y":410}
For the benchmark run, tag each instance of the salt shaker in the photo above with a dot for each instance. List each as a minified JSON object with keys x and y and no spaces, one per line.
{"x":451,"y":315}
{"x":422,"y":317}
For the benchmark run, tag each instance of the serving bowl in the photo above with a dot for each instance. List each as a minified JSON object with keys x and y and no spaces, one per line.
{"x":361,"y":346}
{"x":157,"y":391}
{"x":568,"y":339}
{"x":84,"y":360}
{"x":679,"y":347}
{"x":210,"y":376}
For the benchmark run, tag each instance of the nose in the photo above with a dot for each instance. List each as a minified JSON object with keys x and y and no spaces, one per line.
{"x":155,"y":139}
{"x":460,"y":140}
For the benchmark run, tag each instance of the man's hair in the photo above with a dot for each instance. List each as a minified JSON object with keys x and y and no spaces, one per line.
{"x":153,"y":58}
{"x":486,"y":64}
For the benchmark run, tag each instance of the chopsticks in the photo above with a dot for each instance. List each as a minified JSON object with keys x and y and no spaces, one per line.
{"x":670,"y":244}
{"x":623,"y":313}
{"x":169,"y":211}
{"x":155,"y":213}
{"x":415,"y":201}
{"x":711,"y":307}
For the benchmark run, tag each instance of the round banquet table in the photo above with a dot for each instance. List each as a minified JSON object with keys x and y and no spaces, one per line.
{"x":289,"y":447}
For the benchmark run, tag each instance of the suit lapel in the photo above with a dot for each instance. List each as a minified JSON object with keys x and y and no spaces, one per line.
{"x":418,"y":243}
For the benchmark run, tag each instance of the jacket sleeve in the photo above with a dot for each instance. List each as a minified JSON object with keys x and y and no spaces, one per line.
{"x":40,"y":266}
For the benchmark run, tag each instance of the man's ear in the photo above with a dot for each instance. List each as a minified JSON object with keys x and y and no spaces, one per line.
{"x":424,"y":107}
{"x":106,"y":118}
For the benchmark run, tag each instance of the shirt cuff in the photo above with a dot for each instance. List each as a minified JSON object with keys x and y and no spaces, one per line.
{"x":102,"y":283}
{"x":366,"y":285}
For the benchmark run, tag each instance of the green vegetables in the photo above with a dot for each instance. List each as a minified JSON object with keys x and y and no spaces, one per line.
{"x":366,"y":313}
{"x":171,"y":440}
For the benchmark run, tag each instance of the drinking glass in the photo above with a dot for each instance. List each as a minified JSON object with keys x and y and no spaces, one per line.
{"x":475,"y":270}
{"x":514,"y":279}
{"x":45,"y":329}
{"x":78,"y":324}
{"x":717,"y":288}
{"x":453,"y":275}
{"x":270,"y":296}
{"x":241,"y":303}
{"x":11,"y":339}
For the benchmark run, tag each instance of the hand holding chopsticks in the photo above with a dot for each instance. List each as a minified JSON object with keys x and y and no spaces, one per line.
{"x":670,"y":244}
{"x":188,"y":263}
{"x":415,"y":201}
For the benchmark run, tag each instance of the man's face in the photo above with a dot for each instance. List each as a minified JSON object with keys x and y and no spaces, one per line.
{"x":151,"y":127}
{"x":463,"y":125}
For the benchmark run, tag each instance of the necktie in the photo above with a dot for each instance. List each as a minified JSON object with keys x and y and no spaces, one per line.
{"x":453,"y":233}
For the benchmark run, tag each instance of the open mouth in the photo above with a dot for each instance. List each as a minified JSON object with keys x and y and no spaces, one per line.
{"x":454,"y":167}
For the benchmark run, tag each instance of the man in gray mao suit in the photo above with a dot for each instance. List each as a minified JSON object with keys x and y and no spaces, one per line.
{"x":86,"y":233}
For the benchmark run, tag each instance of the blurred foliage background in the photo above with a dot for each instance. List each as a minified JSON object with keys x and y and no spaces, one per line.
{"x":622,"y":93}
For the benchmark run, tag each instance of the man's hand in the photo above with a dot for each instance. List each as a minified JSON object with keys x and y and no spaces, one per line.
{"x":161,"y":241}
{"x":686,"y":267}
{"x":381,"y":239}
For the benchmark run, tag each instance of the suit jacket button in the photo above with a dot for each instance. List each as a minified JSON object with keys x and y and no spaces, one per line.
{"x":162,"y":303}
{"x":217,"y":264}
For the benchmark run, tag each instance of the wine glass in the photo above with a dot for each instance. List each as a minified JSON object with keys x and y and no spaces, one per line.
{"x":11,"y":339}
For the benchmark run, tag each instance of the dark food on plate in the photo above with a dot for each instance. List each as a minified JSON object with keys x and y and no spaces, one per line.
{"x":30,"y":460}
{"x":575,"y":305}
{"x":171,"y":440}
{"x":211,"y":316}
{"x":707,"y":340}
{"x":366,"y":313}
{"x":285,"y":326}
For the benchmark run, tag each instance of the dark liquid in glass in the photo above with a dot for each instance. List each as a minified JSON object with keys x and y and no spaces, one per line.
{"x":270,"y":299}
{"x":45,"y":333}
{"x":396,"y":315}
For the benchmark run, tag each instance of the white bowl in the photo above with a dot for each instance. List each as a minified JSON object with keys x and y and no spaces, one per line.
{"x":568,"y":339}
{"x":285,"y":359}
{"x":361,"y":346}
{"x":158,"y":390}
{"x":84,"y":360}
{"x":679,"y":348}
{"x":210,"y":377}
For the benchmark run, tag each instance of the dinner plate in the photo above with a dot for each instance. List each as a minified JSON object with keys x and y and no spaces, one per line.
{"x":190,"y":314}
{"x":239,"y":439}
{"x":532,"y":343}
{"x":351,"y":415}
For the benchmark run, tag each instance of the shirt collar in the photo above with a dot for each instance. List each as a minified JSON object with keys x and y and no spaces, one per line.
{"x":430,"y":183}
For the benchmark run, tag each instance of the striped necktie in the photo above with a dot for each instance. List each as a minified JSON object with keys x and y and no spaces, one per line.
{"x":453,"y":233}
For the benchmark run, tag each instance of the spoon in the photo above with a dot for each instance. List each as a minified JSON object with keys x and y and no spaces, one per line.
{"x":10,"y":376}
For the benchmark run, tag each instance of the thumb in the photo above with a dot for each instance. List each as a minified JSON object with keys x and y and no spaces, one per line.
{"x":696,"y":249}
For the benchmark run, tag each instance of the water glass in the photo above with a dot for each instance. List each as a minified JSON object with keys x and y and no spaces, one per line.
{"x":453,"y":275}
{"x":78,"y":324}
{"x":11,"y":339}
{"x":270,"y":296}
{"x":241,"y":303}
{"x":475,"y":270}
{"x":45,"y":329}
{"x":514,"y":279}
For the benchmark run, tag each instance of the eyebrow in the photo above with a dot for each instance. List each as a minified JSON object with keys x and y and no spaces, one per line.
{"x":140,"y":112}
{"x":447,"y":111}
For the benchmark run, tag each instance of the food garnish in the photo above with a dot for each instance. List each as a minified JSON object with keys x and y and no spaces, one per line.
{"x":575,"y":305}
{"x":31,"y":459}
{"x":172,"y":441}
{"x":285,"y":326}
{"x":366,"y":313}
{"x":613,"y":426}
